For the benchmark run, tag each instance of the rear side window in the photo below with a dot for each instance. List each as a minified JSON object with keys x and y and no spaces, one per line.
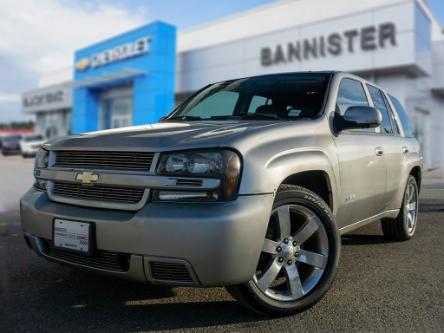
{"x":351,"y":93}
{"x":403,"y":117}
{"x":392,"y":115}
{"x":378,"y":101}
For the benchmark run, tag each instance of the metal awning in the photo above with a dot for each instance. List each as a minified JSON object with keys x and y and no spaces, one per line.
{"x":106,"y":78}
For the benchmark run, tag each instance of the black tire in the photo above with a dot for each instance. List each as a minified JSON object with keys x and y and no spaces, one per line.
{"x":397,"y":229}
{"x":249,"y":295}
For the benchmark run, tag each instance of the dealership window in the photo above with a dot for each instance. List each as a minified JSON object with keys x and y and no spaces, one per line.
{"x":378,"y":101}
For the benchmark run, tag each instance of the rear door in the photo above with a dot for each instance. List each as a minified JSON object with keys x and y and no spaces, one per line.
{"x":362,"y":168}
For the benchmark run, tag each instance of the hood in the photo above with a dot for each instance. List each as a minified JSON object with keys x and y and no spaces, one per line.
{"x":162,"y":136}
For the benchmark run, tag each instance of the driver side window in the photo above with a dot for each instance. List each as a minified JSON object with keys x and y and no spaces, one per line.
{"x":351,"y":93}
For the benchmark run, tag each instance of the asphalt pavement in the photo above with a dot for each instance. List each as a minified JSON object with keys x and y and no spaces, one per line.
{"x":381,"y":286}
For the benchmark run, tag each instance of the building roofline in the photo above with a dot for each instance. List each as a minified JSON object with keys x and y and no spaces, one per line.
{"x":276,"y":3}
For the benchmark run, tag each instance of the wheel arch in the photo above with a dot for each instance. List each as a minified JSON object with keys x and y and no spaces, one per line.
{"x":310,"y":169}
{"x":416,"y":172}
{"x":316,"y":181}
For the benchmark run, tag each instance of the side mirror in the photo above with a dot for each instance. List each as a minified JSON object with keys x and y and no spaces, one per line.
{"x":360,"y":117}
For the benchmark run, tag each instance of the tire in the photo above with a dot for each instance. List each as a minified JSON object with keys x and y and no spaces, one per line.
{"x":313,"y":241}
{"x":404,"y":226}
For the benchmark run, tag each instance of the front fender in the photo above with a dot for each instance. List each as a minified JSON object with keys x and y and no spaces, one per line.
{"x":290,"y":162}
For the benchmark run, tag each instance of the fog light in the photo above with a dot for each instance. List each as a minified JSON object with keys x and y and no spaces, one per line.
{"x":184,"y":196}
{"x":40,"y":185}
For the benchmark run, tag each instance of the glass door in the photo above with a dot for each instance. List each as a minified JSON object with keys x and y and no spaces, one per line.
{"x":116,"y":109}
{"x":121,"y":112}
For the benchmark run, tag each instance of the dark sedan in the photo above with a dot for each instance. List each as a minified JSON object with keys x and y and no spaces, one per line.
{"x":11,"y":144}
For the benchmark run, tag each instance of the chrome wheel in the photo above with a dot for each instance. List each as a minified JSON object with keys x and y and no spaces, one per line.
{"x":294,"y":255}
{"x":411,"y":207}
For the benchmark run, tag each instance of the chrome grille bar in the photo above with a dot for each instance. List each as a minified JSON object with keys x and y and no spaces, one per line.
{"x":119,"y":194}
{"x":131,"y":161}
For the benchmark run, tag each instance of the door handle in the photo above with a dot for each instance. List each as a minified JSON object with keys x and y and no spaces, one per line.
{"x":379,"y":151}
{"x":405,"y":150}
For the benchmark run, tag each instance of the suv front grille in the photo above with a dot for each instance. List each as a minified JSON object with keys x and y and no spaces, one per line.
{"x":106,"y":160}
{"x":113,"y":193}
{"x":111,"y":261}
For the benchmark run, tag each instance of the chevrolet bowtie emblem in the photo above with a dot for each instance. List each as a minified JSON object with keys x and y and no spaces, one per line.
{"x":87,"y":177}
{"x":82,"y":64}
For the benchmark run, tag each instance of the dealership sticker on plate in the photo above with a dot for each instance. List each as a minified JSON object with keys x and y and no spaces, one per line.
{"x":72,"y":235}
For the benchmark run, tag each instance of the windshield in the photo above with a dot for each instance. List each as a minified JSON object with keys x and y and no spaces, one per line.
{"x":36,"y":137}
{"x":283,"y":96}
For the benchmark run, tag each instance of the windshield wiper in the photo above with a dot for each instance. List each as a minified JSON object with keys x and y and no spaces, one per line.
{"x":223,"y":117}
{"x":261,"y":116}
{"x":228,"y":117}
{"x":185,"y":118}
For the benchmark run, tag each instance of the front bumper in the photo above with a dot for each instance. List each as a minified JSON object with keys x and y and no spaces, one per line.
{"x":29,"y":151}
{"x":10,"y":150}
{"x":218,"y":243}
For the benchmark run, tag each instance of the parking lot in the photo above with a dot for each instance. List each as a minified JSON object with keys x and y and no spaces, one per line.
{"x":381,"y":286}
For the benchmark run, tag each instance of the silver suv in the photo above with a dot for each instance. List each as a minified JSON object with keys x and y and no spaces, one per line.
{"x":248,"y":184}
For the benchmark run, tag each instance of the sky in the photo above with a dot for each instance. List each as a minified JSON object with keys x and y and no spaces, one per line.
{"x":40,"y":37}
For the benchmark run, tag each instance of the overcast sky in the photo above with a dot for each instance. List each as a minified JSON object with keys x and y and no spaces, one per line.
{"x":40,"y":36}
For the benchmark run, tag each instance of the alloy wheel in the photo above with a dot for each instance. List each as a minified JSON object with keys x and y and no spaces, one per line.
{"x":411,"y":207}
{"x":294,"y":254}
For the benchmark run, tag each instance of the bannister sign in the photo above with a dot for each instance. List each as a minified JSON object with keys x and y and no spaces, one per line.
{"x":118,"y":53}
{"x":368,"y":38}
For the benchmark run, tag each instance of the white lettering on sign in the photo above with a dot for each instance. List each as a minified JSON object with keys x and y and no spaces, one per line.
{"x":118,"y":53}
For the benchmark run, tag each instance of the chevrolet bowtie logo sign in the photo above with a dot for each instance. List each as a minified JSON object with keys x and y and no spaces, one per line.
{"x":82,"y":64}
{"x":87,"y":177}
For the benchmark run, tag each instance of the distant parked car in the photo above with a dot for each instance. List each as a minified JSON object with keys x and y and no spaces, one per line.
{"x":30,"y":144}
{"x":11,"y":144}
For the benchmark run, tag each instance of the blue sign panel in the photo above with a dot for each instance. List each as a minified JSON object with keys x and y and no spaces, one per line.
{"x":125,"y":80}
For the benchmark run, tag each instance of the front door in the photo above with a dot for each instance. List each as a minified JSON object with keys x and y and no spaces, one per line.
{"x":362,"y":168}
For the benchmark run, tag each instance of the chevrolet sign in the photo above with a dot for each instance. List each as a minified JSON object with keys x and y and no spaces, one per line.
{"x":118,"y":53}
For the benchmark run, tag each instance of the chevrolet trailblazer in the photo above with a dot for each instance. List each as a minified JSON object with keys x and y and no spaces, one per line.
{"x":248,"y":184}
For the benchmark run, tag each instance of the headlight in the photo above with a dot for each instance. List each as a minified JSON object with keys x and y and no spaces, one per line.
{"x":222,"y":164}
{"x":41,"y":159}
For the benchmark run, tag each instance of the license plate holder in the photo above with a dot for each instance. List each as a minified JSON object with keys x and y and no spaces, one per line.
{"x":73,"y":236}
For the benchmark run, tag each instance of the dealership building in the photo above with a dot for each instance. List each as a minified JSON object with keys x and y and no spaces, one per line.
{"x":138,"y":76}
